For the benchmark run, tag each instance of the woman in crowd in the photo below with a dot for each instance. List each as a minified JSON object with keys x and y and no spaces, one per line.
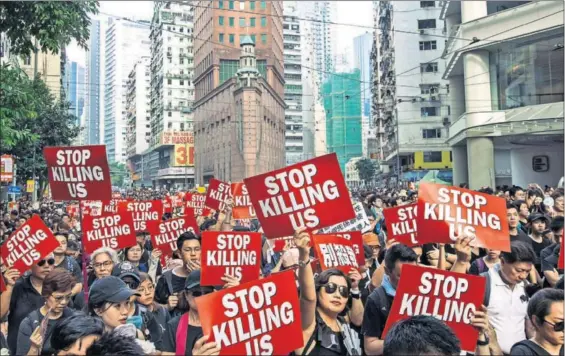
{"x":146,"y":301}
{"x":482,"y":265}
{"x":57,"y":291}
{"x":134,"y":255}
{"x":75,"y":334}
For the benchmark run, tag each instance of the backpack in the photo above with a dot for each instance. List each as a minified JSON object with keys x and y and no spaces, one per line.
{"x":380,"y":298}
{"x":169,"y":279}
{"x":486,"y":298}
{"x":481,"y":266}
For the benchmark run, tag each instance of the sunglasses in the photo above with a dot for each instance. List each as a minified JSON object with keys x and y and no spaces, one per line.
{"x":198,"y":293}
{"x":332,"y":287}
{"x":557,"y":326}
{"x":50,"y":262}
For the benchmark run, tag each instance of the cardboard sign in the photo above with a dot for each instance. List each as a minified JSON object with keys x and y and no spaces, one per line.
{"x":233,"y":253}
{"x":113,"y":230}
{"x":356,"y":238}
{"x":196,"y":203}
{"x":146,"y":214}
{"x":242,"y":207}
{"x":168,"y":233}
{"x":446,"y":212}
{"x":335,"y":252}
{"x":28,"y":245}
{"x":451,"y":297}
{"x":256,"y":318}
{"x":401,"y":224}
{"x":78,"y":173}
{"x":218,"y":194}
{"x":310,"y":194}
{"x":359,"y":223}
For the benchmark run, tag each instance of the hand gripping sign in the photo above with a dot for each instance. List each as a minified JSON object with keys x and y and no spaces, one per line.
{"x":113,"y":230}
{"x":401,"y":224}
{"x":444,"y":213}
{"x":256,"y":318}
{"x":233,"y":253}
{"x":195,"y":202}
{"x":450,"y":297}
{"x":218,"y":193}
{"x":168,"y":234}
{"x":78,"y":173}
{"x":28,"y":245}
{"x":335,"y":252}
{"x":309,"y":194}
{"x":242,"y":209}
{"x":146,"y":214}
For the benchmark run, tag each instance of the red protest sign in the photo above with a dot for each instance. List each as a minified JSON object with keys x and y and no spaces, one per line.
{"x":280,"y":243}
{"x":356,"y":238}
{"x":167,"y":205}
{"x":146,"y":214}
{"x":196,"y":203}
{"x":218,"y":194}
{"x":113,"y":230}
{"x":235,"y":253}
{"x":110,"y":207}
{"x":168,"y":233}
{"x":242,"y":207}
{"x":259,"y":317}
{"x":561,"y":262}
{"x":116,"y":195}
{"x":78,"y":173}
{"x":335,"y":252}
{"x":309,"y":194}
{"x":401,"y":224}
{"x":28,"y":245}
{"x":445,"y":212}
{"x":449,"y":296}
{"x":73,"y":210}
{"x":2,"y":284}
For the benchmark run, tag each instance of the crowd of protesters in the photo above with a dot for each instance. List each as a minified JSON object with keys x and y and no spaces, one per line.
{"x":138,"y":306}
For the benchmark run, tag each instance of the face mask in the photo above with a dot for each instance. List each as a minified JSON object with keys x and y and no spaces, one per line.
{"x":135,"y":321}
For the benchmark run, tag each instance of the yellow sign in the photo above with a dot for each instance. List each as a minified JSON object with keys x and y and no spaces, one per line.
{"x":30,"y":186}
{"x":201,"y":190}
{"x":183,"y":155}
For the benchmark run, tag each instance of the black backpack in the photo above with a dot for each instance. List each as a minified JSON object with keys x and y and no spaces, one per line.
{"x":486,"y":298}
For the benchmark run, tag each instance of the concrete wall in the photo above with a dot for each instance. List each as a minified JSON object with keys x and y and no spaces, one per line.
{"x":521,"y":164}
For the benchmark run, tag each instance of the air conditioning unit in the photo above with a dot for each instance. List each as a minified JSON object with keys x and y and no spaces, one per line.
{"x":446,"y":121}
{"x":422,"y":32}
{"x":433,"y":97}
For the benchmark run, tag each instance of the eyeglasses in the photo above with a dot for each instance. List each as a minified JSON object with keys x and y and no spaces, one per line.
{"x":332,"y":287}
{"x":149,"y":289}
{"x":557,"y":326}
{"x":198,"y":293}
{"x":60,"y":298}
{"x":50,"y":262}
{"x":105,"y":264}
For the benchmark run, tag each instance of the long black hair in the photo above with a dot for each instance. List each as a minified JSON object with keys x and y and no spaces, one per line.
{"x":68,"y":330}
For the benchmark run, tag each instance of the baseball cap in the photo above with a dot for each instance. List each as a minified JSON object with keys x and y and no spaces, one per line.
{"x":193,"y":280}
{"x":371,"y":239}
{"x":538,"y":216}
{"x":110,"y":289}
{"x":126,"y":269}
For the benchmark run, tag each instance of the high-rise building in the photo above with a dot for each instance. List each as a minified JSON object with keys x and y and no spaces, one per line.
{"x":362,"y":46}
{"x":138,"y":108}
{"x":74,"y":88}
{"x":239,"y":108}
{"x":343,"y":116}
{"x":293,"y":92}
{"x":93,"y":87}
{"x":412,"y":90}
{"x":125,"y":43}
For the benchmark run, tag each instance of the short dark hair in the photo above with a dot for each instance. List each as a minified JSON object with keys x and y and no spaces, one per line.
{"x":534,"y":192}
{"x":421,"y":335}
{"x":510,"y":205}
{"x":560,"y":284}
{"x":113,"y":343}
{"x":58,"y":280}
{"x":515,"y":189}
{"x":186,"y":236}
{"x":557,"y":223}
{"x":399,"y":252}
{"x":324,"y":277}
{"x":540,"y":303}
{"x":68,"y":330}
{"x":519,"y":252}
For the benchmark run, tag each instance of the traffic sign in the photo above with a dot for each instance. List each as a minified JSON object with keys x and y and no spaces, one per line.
{"x":14,"y":189}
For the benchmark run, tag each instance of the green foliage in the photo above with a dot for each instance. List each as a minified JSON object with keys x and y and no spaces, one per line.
{"x":118,"y":174}
{"x":366,"y":169}
{"x":53,"y":23}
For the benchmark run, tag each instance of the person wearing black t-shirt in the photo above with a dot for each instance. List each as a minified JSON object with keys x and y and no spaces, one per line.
{"x":516,"y":234}
{"x":538,"y":223}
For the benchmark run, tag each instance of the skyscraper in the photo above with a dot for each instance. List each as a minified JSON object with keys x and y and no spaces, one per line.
{"x":362,"y":46}
{"x":74,"y":88}
{"x":93,"y":89}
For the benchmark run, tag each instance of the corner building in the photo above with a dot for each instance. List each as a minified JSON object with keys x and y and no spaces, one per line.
{"x":239,"y":89}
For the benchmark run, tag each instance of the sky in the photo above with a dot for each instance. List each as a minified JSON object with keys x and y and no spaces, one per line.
{"x":348,"y":12}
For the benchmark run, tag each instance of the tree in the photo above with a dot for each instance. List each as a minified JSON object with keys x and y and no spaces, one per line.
{"x":118,"y":174}
{"x":52,"y":23}
{"x":366,"y":169}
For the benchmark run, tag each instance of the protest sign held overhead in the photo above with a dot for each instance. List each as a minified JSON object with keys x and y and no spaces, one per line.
{"x":28,"y":245}
{"x":256,"y":318}
{"x":113,"y":230}
{"x":356,"y":239}
{"x":167,"y":205}
{"x":446,"y":212}
{"x":450,"y":297}
{"x":310,"y":194}
{"x":335,"y":252}
{"x":146,"y":214}
{"x":168,"y":233}
{"x":233,"y":253}
{"x":359,"y":223}
{"x":401,"y":224}
{"x":195,"y":202}
{"x":78,"y":173}
{"x":218,"y":194}
{"x":242,"y":209}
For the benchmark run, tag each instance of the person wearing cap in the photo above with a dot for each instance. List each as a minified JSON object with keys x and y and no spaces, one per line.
{"x":184,"y":332}
{"x":538,"y":224}
{"x":372,"y":241}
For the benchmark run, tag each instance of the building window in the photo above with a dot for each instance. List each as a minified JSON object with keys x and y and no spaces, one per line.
{"x":26,"y":60}
{"x":253,"y":38}
{"x":252,"y":5}
{"x":429,"y":111}
{"x":424,"y":4}
{"x":221,"y":38}
{"x":170,"y":114}
{"x":263,"y":5}
{"x":221,"y":21}
{"x":428,"y":45}
{"x":428,"y":67}
{"x":220,"y":4}
{"x":181,"y":60}
{"x":431,"y":133}
{"x":242,"y":22}
{"x":263,"y":21}
{"x":242,"y":5}
{"x":429,"y":88}
{"x":231,"y":21}
{"x":232,"y":38}
{"x":252,"y":22}
{"x":231,"y":6}
{"x":264,"y":38}
{"x":429,"y":23}
{"x":432,"y":156}
{"x":169,"y":81}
